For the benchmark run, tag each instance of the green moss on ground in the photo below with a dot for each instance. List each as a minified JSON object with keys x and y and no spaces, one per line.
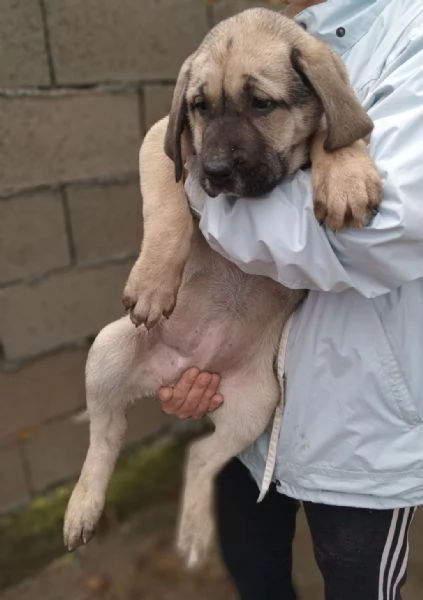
{"x":32,"y":537}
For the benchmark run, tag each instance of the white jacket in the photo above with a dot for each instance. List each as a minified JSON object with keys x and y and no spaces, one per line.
{"x":352,"y":432}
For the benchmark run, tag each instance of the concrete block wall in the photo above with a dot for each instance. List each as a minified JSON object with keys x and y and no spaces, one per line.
{"x":80,"y":82}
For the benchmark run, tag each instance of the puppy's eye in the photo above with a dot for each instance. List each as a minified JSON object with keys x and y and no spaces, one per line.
{"x":201,"y":106}
{"x":262,"y":105}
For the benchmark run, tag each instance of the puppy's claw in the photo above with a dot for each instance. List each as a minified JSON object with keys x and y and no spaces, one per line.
{"x":193,"y":559}
{"x":128,"y":302}
{"x":87,"y":535}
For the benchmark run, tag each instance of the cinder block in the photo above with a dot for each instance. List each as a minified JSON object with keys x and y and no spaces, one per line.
{"x":56,"y":452}
{"x":32,"y":236}
{"x":109,"y":40}
{"x":58,"y":138}
{"x":13,"y":488}
{"x":145,"y":418}
{"x":157,"y":102}
{"x":23,"y":57}
{"x":41,"y":390}
{"x":64,"y":308}
{"x":106,"y":220}
{"x":224,"y":9}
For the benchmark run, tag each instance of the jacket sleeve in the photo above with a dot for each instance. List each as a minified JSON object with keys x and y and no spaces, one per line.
{"x":278,"y":235}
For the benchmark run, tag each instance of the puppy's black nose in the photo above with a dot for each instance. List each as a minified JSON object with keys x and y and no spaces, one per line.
{"x":219,"y":168}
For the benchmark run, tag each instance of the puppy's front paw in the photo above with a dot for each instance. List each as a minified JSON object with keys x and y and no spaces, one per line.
{"x":347,"y":189}
{"x":81,"y":518}
{"x":148,"y":296}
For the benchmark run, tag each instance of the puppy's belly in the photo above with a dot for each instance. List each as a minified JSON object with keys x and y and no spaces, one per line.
{"x":224,"y":322}
{"x":222,"y":347}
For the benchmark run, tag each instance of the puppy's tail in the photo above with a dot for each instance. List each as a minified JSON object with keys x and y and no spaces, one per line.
{"x":81,"y":418}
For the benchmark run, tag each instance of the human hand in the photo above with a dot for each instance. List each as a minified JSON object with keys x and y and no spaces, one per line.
{"x":193,"y":396}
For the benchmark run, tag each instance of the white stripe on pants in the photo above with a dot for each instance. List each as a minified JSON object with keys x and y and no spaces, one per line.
{"x":395,"y":546}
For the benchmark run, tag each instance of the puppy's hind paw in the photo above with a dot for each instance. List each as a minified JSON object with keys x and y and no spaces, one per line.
{"x":82,"y":516}
{"x":193,"y":542}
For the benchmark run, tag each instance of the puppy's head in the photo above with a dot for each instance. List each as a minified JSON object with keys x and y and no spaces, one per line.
{"x":250,"y":98}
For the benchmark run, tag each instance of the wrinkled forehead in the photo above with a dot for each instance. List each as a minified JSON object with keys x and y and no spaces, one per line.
{"x":234,"y":65}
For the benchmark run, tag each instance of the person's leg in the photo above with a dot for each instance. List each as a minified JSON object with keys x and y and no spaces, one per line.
{"x":255,"y":539}
{"x":361,"y":553}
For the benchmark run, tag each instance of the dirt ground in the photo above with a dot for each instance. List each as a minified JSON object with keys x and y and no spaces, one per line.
{"x":136,"y":561}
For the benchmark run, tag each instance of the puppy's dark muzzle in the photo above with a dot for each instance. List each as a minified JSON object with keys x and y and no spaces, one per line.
{"x":218,"y":171}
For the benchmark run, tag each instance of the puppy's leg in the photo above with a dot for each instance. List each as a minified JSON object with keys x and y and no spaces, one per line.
{"x":108,"y":394}
{"x":250,"y":400}
{"x":156,"y":276}
{"x":347,"y":188}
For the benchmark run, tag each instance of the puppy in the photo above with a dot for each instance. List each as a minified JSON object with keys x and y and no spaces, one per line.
{"x":256,"y":101}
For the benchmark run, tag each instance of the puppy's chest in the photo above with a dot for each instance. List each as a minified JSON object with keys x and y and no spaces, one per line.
{"x":219,"y":318}
{"x":219,"y":346}
{"x":215,"y":289}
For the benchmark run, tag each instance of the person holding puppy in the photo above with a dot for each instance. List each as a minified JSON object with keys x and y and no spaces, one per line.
{"x":351,"y":444}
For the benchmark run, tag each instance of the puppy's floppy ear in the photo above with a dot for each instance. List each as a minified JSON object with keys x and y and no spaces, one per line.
{"x":178,"y":119}
{"x":346,"y":119}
